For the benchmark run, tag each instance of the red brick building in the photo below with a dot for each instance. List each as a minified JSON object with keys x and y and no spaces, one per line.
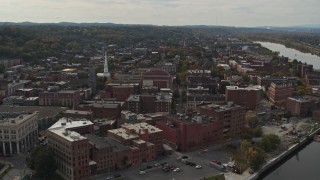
{"x":156,"y":77}
{"x":187,"y":133}
{"x":231,"y":116}
{"x":248,"y":97}
{"x":70,"y":148}
{"x":302,"y":106}
{"x":280,"y":92}
{"x":149,"y":103}
{"x":133,"y":132}
{"x":102,"y":110}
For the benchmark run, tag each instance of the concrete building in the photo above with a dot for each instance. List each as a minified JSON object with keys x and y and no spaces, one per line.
{"x":18,"y":132}
{"x":15,"y":85}
{"x":78,"y":114}
{"x":21,"y":101}
{"x":278,"y":92}
{"x":65,"y":98}
{"x":248,"y":97}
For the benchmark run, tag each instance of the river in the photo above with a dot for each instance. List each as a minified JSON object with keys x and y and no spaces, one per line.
{"x":293,"y":54}
{"x":303,"y":165}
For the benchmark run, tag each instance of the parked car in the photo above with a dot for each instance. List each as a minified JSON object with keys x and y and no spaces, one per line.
{"x":198,"y":166}
{"x":109,"y":178}
{"x":142,"y":172}
{"x":177,"y":170}
{"x":157,"y":164}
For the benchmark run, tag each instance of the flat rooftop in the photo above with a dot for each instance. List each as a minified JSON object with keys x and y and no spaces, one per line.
{"x":44,"y":111}
{"x":248,"y":88}
{"x":123,"y":133}
{"x":13,"y":119}
{"x":66,"y":134}
{"x":139,"y":127}
{"x":68,"y":123}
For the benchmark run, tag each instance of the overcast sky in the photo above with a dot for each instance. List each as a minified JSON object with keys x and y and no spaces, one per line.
{"x":165,"y":12}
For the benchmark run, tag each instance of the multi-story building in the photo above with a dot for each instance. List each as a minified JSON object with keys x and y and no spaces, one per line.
{"x":78,"y":114}
{"x":267,"y":80}
{"x":248,"y":97}
{"x":302,"y":106}
{"x":194,"y":99}
{"x":170,"y":67}
{"x":15,"y":85}
{"x":71,"y":149}
{"x":71,"y":153}
{"x":157,"y":77}
{"x":131,"y":134}
{"x":21,"y":101}
{"x":149,"y":103}
{"x":66,"y":98}
{"x":280,"y":91}
{"x":202,"y":78}
{"x":231,"y":116}
{"x":190,"y":132}
{"x":102,"y":109}
{"x":122,"y":91}
{"x":18,"y":132}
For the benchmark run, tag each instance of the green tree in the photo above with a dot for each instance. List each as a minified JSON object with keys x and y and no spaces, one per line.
{"x":270,"y":142}
{"x":43,"y":162}
{"x":2,"y":68}
{"x":257,"y":132}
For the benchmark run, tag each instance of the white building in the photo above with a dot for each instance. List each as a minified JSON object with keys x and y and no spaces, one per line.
{"x":18,"y":132}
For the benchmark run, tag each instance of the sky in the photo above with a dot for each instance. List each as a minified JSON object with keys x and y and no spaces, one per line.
{"x":244,"y":13}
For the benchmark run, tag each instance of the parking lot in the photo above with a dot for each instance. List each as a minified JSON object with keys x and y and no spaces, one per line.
{"x":186,"y":172}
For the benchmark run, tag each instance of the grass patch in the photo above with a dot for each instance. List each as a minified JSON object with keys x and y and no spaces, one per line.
{"x":217,"y":177}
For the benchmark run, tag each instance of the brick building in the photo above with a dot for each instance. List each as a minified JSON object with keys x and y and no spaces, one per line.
{"x":149,"y":103}
{"x":302,"y":106}
{"x":157,"y":77}
{"x":70,"y":148}
{"x":231,"y":116}
{"x":102,"y":110}
{"x":66,"y":98}
{"x":278,"y":92}
{"x":121,"y":92}
{"x":248,"y":97}
{"x":128,"y":133}
{"x":190,"y":132}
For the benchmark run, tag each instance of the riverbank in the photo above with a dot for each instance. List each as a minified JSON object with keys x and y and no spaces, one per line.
{"x":273,"y":163}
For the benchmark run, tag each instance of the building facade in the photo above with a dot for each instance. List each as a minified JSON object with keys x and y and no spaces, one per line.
{"x":18,"y":132}
{"x":248,"y":97}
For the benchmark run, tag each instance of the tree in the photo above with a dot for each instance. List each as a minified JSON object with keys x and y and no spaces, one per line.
{"x":43,"y":162}
{"x":257,"y":132}
{"x":257,"y":159}
{"x":270,"y":142}
{"x":2,"y":68}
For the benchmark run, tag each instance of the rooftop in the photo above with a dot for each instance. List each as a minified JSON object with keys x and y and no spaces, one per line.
{"x":123,"y":133}
{"x":10,"y":119}
{"x":68,"y":123}
{"x":248,"y":88}
{"x":66,"y":134}
{"x":140,"y":127}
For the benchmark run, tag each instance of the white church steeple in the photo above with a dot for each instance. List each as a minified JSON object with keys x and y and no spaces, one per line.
{"x":106,"y":68}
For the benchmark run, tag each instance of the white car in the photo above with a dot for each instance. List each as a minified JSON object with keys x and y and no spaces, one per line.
{"x":142,"y":172}
{"x":198,"y":166}
{"x":176,"y":169}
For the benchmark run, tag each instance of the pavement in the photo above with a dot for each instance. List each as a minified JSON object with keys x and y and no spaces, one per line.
{"x":19,"y":168}
{"x":187,"y":172}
